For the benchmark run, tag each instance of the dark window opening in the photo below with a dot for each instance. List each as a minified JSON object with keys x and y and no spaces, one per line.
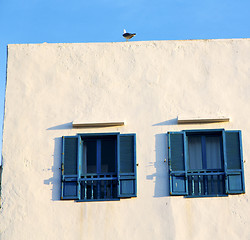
{"x":205,"y":164}
{"x":99,"y":174}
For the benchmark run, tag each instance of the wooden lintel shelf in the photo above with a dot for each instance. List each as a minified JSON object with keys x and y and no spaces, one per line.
{"x":202,"y":120}
{"x":97,"y":125}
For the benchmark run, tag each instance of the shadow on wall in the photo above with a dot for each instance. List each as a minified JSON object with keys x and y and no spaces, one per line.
{"x":61,"y":126}
{"x":161,"y":176}
{"x":55,"y":181}
{"x":1,"y":169}
{"x":173,"y":121}
{"x":161,"y":180}
{"x":56,"y":169}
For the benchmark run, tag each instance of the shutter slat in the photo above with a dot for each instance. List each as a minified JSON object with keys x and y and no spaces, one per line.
{"x":177,"y":152}
{"x":177,"y":164}
{"x":127,"y":166}
{"x":233,"y":162}
{"x":69,"y":184}
{"x":70,"y":155}
{"x":233,"y":150}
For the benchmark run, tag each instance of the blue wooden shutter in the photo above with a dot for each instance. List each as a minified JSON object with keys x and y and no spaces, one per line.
{"x":69,"y":186}
{"x":127,"y":165}
{"x":234,"y":173}
{"x":177,"y":163}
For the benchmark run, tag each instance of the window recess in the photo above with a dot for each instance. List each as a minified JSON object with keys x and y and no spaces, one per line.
{"x":205,"y":163}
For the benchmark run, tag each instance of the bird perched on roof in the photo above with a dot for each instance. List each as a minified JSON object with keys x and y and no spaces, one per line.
{"x":128,"y":35}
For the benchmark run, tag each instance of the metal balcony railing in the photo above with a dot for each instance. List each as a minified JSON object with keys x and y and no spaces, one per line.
{"x":99,"y":187}
{"x":206,"y":183}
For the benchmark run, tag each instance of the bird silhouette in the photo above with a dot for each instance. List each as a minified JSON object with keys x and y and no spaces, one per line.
{"x":128,"y":36}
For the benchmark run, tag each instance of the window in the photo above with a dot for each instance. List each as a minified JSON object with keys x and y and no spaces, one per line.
{"x":98,"y":167}
{"x":205,"y":163}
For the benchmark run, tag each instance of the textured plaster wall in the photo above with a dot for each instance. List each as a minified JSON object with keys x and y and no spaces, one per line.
{"x":147,"y":84}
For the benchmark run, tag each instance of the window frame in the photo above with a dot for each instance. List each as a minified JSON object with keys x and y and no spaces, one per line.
{"x":125,"y":184}
{"x":178,"y":176}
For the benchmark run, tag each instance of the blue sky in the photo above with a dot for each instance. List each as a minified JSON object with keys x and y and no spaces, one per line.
{"x":37,"y":21}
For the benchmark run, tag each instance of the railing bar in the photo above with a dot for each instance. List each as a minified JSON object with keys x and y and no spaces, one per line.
{"x":199,"y":183}
{"x":105,"y":189}
{"x":92,"y":190}
{"x":95,"y":179}
{"x":84,"y":190}
{"x":98,"y":189}
{"x":192,"y":185}
{"x":212,"y":184}
{"x":94,"y":174}
{"x":111,"y":189}
{"x":189,"y":182}
{"x":205,"y":182}
{"x":218,"y":183}
{"x":205,"y":174}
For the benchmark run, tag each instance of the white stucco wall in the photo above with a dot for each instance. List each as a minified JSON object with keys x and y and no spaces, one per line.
{"x":147,"y":84}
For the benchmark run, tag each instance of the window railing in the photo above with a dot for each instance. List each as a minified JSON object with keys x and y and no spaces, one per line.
{"x":206,"y":183}
{"x":99,"y":187}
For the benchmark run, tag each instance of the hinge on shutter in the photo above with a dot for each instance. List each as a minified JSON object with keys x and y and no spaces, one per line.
{"x":62,"y":168}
